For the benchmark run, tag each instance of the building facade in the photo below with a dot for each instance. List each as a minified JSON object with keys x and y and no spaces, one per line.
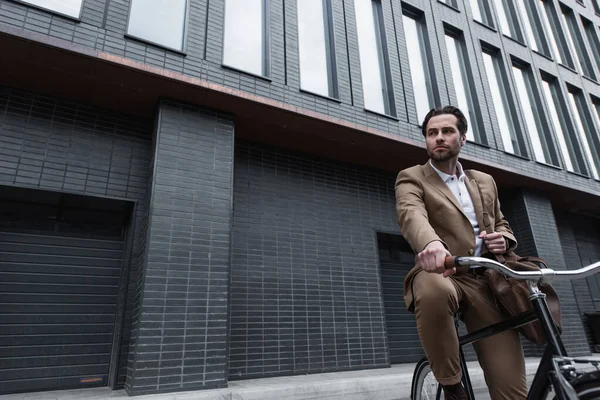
{"x":199,"y":191}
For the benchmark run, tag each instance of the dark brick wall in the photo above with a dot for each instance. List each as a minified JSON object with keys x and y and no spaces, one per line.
{"x":305,"y":286}
{"x":104,"y":24}
{"x":51,"y":144}
{"x":181,"y":331}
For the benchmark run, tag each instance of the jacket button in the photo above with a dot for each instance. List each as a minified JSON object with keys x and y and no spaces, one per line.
{"x":471,"y":252}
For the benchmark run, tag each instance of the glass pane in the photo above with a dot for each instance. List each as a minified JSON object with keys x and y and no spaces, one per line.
{"x":528,"y":112}
{"x":244,"y":42}
{"x":580,"y":67}
{"x":504,"y":25}
{"x":550,"y":31}
{"x":582,"y":136}
{"x":501,"y":114}
{"x":159,"y":21}
{"x":527,"y":23}
{"x":560,"y":134}
{"x":71,"y":8}
{"x":597,"y":115}
{"x":312,"y":47}
{"x":418,"y":66}
{"x":459,"y":84}
{"x":476,"y":10}
{"x":369,"y":57}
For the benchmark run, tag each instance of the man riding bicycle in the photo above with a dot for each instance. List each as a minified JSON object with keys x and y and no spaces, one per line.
{"x":444,"y":210}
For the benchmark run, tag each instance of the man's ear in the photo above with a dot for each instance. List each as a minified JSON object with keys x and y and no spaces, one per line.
{"x":463,"y":139}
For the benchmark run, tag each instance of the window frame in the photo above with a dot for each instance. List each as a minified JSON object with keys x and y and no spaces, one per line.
{"x":184,"y":33}
{"x":266,"y":43}
{"x":593,"y":38}
{"x":330,"y":53}
{"x":511,"y":14}
{"x":51,"y":11}
{"x":592,"y":141}
{"x":574,"y":37}
{"x":558,"y":35}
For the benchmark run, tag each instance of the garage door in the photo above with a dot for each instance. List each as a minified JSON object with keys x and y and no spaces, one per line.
{"x":61,"y":259}
{"x":395,"y":260}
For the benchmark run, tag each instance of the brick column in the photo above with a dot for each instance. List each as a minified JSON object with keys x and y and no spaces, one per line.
{"x":532,"y":219}
{"x":180,"y":331}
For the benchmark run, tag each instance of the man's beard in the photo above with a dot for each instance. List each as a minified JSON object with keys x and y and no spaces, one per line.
{"x":443,"y":156}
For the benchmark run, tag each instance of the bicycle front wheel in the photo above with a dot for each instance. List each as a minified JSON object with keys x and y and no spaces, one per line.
{"x":587,"y":386}
{"x":424,"y":384}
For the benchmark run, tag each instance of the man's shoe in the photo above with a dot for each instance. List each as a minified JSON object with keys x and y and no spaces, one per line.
{"x":454,"y":392}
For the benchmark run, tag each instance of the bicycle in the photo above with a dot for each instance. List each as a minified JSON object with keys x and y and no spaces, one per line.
{"x":556,"y":371}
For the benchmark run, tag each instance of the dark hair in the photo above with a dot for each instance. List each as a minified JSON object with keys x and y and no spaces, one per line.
{"x":460,"y":117}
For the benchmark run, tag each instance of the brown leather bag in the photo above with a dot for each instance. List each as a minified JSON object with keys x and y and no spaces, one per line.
{"x":513,"y":294}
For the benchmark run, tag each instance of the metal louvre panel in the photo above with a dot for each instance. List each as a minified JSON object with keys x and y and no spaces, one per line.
{"x":58,"y":299}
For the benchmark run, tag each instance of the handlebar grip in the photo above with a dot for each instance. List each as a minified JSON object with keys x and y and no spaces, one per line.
{"x":451,"y":262}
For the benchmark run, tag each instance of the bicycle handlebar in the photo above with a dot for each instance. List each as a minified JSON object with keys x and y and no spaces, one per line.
{"x":544,"y":275}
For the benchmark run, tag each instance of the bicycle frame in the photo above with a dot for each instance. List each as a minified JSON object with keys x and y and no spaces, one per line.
{"x":548,"y":370}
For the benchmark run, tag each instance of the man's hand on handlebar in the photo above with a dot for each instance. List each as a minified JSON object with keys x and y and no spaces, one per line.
{"x":432,"y":259}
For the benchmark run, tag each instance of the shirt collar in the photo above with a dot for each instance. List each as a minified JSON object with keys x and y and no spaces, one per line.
{"x":445,"y":177}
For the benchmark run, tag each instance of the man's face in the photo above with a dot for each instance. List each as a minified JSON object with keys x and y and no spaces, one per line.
{"x":444,"y":141}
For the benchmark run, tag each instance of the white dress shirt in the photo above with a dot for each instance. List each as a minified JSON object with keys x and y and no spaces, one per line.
{"x":458,"y":187}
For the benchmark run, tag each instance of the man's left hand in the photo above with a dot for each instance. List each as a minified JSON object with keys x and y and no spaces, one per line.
{"x":495,"y":242}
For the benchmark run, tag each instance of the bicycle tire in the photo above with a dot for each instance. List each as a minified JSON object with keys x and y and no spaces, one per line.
{"x":421,"y":374}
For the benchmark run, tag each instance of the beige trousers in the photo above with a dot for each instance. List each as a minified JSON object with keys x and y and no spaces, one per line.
{"x":437,"y":299}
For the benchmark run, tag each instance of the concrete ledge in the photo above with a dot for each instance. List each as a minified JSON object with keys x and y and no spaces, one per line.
{"x":374,"y":384}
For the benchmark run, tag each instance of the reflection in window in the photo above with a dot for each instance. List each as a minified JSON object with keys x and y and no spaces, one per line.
{"x":552,"y":31}
{"x":527,"y":21}
{"x":72,"y":8}
{"x":578,"y":112}
{"x":374,"y":65}
{"x":502,"y":17}
{"x":530,"y":113}
{"x":558,"y":128}
{"x":459,"y":77}
{"x":158,"y":21}
{"x":314,"y":41}
{"x":597,"y":113}
{"x":499,"y":98}
{"x":419,"y":69}
{"x":245,"y":40}
{"x":476,"y":10}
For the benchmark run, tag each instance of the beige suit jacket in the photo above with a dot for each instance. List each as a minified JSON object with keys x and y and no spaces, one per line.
{"x":428,"y":210}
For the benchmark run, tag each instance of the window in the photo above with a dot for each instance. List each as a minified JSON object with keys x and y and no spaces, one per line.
{"x":316,"y":47}
{"x":560,"y":122}
{"x":576,"y":43}
{"x":533,"y":26}
{"x":461,"y":76}
{"x":596,"y":4}
{"x":537,"y":126}
{"x":158,"y":21}
{"x":374,"y":63}
{"x":557,"y":39}
{"x":246,"y":44}
{"x":498,"y":85}
{"x":71,"y":8}
{"x":594,"y":42}
{"x":586,"y":132}
{"x":481,"y":12}
{"x":508,"y":19}
{"x":596,"y":104}
{"x":420,"y":71}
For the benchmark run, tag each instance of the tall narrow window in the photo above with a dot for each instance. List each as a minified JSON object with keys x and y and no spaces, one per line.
{"x":461,"y":75}
{"x":316,"y":47}
{"x":596,"y":103}
{"x":374,"y":62}
{"x":533,"y":25}
{"x":500,"y":96}
{"x":482,"y":12}
{"x":71,"y":8}
{"x":158,"y":21}
{"x":587,"y":136}
{"x":420,"y":71}
{"x":554,"y":30}
{"x":537,"y":126}
{"x":508,"y":19}
{"x":570,"y":150}
{"x":577,"y":44}
{"x":246,"y":36}
{"x":596,"y":4}
{"x":592,"y":35}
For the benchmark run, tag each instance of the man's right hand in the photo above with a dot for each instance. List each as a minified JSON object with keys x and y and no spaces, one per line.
{"x":432,"y":258}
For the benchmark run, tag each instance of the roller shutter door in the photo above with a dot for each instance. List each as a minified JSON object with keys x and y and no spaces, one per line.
{"x":395,"y":260}
{"x":58,"y":298}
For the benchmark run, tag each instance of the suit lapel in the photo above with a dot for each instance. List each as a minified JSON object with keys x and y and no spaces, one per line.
{"x":436,"y":181}
{"x":473,"y":188}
